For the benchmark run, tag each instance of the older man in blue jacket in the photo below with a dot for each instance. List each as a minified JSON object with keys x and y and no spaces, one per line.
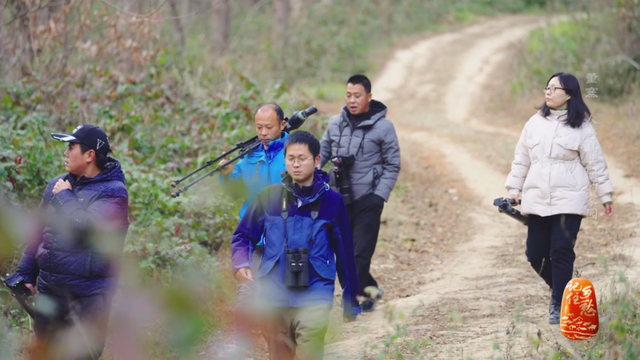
{"x":257,"y":170}
{"x":75,"y":258}
{"x":307,"y":239}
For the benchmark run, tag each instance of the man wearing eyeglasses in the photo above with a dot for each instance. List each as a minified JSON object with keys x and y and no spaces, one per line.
{"x":307,"y":240}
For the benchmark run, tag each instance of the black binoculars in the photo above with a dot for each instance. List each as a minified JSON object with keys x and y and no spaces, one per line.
{"x":297,"y":268}
{"x":341,"y":178}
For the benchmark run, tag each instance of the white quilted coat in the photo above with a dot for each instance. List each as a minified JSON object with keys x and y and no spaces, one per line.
{"x":554,"y":165}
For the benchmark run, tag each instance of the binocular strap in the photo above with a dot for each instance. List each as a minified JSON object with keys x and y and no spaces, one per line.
{"x":315,"y":208}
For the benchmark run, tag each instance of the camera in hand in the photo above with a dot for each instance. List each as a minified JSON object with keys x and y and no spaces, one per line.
{"x":340,"y":176}
{"x":505,"y":207}
{"x":17,"y":285}
{"x":297,"y":268}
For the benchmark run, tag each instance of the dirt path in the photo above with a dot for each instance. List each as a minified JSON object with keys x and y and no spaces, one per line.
{"x":481,"y":299}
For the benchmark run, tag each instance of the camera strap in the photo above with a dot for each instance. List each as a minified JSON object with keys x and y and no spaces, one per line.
{"x":315,"y":210}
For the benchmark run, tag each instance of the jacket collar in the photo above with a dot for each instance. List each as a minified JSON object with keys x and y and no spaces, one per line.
{"x":308,"y":194}
{"x":378,"y":111}
{"x":111,"y":172}
{"x":275,"y":146}
{"x":557,"y":114}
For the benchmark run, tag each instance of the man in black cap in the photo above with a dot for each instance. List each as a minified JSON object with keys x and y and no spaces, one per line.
{"x":74,"y":259}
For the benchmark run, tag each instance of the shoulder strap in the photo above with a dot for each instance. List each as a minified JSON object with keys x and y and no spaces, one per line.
{"x":285,"y":214}
{"x":315,"y":210}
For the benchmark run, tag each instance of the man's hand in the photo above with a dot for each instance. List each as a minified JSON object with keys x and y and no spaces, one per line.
{"x":244,"y":275}
{"x":31,"y":288}
{"x":61,"y":185}
{"x":608,"y":209}
{"x":227,"y":169}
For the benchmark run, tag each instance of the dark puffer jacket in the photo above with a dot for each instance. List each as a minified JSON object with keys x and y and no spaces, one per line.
{"x":82,"y":237}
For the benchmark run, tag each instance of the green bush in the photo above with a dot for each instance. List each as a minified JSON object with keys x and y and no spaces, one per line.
{"x":619,"y":333}
{"x":601,"y":43}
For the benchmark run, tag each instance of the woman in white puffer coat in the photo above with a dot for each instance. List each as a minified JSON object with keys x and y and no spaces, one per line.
{"x":556,"y":158}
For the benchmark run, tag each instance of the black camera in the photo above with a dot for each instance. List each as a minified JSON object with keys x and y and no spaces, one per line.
{"x":19,"y":290}
{"x":340,"y":176}
{"x":505,"y":207}
{"x":17,"y":285}
{"x":297,"y":268}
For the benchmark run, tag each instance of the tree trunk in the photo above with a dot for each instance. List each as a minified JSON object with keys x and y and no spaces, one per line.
{"x":176,"y":19}
{"x":186,"y":8}
{"x":281,"y":22}
{"x":221,"y":26}
{"x":298,"y":12}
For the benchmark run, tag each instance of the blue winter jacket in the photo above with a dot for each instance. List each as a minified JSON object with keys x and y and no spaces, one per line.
{"x":259,"y":169}
{"x":330,"y":245}
{"x":82,"y":237}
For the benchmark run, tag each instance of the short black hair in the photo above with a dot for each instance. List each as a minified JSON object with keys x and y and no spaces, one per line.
{"x":362,"y":80}
{"x":306,"y":138}
{"x":273,"y":106}
{"x":577,"y":110}
{"x":101,"y":160}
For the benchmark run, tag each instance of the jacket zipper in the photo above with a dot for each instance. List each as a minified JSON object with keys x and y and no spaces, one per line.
{"x":550,"y":162}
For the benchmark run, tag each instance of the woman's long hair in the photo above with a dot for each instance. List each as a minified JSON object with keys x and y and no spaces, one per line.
{"x":578,"y":111}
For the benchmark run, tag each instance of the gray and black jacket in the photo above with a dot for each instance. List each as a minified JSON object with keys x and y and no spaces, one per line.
{"x":375,"y":146}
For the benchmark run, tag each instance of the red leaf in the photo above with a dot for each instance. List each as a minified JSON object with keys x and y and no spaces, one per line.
{"x":18,"y":160}
{"x":177,"y":230}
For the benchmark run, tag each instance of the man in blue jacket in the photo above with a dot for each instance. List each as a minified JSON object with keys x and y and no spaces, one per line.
{"x":307,"y":239}
{"x":265,"y":165}
{"x":74,"y":260}
{"x":254,"y":172}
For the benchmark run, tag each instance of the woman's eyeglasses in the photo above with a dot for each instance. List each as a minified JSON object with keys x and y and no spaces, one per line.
{"x":552,"y":89}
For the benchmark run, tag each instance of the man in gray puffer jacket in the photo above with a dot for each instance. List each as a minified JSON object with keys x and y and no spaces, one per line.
{"x":363,"y":131}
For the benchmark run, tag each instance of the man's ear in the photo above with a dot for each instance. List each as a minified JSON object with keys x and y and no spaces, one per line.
{"x":90,"y":156}
{"x":282,"y":124}
{"x":369,"y":96}
{"x":318,"y":158}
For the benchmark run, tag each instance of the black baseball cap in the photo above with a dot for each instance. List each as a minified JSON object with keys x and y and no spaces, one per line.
{"x":89,"y":135}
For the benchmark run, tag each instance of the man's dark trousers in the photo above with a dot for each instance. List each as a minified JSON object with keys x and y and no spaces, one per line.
{"x":82,"y":321}
{"x":364,"y":216}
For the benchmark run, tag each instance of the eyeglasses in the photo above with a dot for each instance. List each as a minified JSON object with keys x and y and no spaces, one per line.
{"x":299,"y":161}
{"x":552,"y":89}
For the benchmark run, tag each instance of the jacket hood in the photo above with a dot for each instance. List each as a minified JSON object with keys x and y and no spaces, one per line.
{"x":307,"y":194}
{"x":377,"y":109}
{"x":111,"y":172}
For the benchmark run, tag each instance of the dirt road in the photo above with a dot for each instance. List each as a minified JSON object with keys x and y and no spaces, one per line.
{"x":469,"y":292}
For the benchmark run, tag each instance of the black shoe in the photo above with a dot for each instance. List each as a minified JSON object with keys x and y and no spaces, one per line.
{"x":373,"y":293}
{"x":555,"y":308}
{"x":368,"y":305}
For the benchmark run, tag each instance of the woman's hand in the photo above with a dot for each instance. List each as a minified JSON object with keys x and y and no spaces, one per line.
{"x":608,"y":209}
{"x":515,"y":198}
